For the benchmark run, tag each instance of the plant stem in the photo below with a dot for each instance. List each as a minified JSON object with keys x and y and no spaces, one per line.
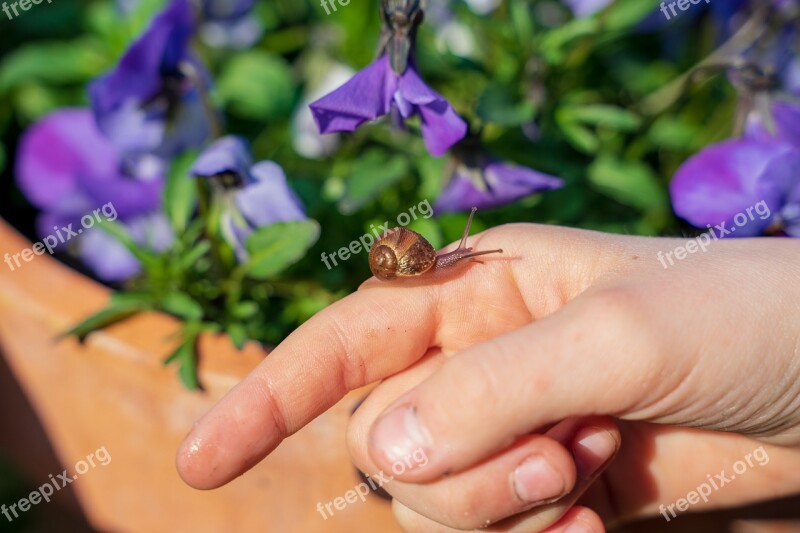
{"x":191,"y":73}
{"x":657,"y":102}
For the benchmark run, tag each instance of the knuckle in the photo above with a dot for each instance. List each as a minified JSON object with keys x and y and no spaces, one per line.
{"x":352,"y":367}
{"x":620,"y":313}
{"x":474,"y":384}
{"x":461,"y":512}
{"x":623,"y":326}
{"x":275,"y":408}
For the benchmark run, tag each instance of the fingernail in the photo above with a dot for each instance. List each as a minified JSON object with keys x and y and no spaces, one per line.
{"x":535,"y":480}
{"x":399,"y":434}
{"x":592,"y":448}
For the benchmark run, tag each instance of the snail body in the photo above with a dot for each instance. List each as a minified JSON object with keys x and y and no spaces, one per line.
{"x":401,"y":252}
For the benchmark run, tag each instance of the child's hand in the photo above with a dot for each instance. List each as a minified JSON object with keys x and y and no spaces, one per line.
{"x":566,"y":324}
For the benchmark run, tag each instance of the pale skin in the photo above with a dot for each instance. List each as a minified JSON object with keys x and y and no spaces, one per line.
{"x":631,"y":383}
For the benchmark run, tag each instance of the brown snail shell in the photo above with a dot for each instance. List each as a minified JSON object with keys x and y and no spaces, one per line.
{"x":401,"y":253}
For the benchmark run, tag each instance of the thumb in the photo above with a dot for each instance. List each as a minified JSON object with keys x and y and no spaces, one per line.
{"x":595,"y":356}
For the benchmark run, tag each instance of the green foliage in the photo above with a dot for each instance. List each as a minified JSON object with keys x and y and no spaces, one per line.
{"x":274,"y":248}
{"x":180,"y":192}
{"x":52,"y":63}
{"x":629,"y":183}
{"x":370,"y":175}
{"x":257,"y":85}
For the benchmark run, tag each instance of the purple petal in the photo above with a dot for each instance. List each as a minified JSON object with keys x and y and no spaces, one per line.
{"x":416,"y":91}
{"x":110,"y":260}
{"x":158,"y":51}
{"x":366,"y":96}
{"x":786,"y":119}
{"x":49,"y":225}
{"x":235,"y":233}
{"x":441,"y":126}
{"x":57,"y":149}
{"x":791,"y":77}
{"x":135,"y":130}
{"x":66,"y":167}
{"x":235,"y":34}
{"x":725,"y":179}
{"x":147,"y":103}
{"x":585,"y":8}
{"x":790,"y":214}
{"x":107,"y":257}
{"x":228,"y":154}
{"x":161,"y":127}
{"x":269,"y":199}
{"x":461,"y":194}
{"x":190,"y":128}
{"x":501,"y":184}
{"x":226,"y":9}
{"x":153,"y":231}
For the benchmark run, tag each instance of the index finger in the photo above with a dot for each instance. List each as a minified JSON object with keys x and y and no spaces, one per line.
{"x":362,"y":338}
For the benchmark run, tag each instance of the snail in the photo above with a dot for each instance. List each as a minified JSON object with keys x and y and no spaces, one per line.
{"x":401,"y":252}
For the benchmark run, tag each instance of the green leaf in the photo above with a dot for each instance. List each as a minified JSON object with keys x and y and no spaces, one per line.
{"x":371,"y":174}
{"x":555,"y":42}
{"x":238,"y":335}
{"x":142,"y":15}
{"x":188,"y":368}
{"x":52,"y":62}
{"x":245,"y":310}
{"x":432,"y":173}
{"x":522,"y":20}
{"x":34,"y":100}
{"x":115,"y":312}
{"x":119,"y":232}
{"x":632,"y":183}
{"x":186,"y":356}
{"x":124,"y":298}
{"x":674,"y":134}
{"x":581,"y":138}
{"x":257,"y":85}
{"x":500,"y":105}
{"x":180,"y":192}
{"x":274,"y":248}
{"x":624,"y":14}
{"x":603,"y":116}
{"x":194,"y":255}
{"x":182,"y":305}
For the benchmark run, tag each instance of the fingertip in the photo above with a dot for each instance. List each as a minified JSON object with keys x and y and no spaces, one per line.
{"x":594,"y":446}
{"x":192,"y":462}
{"x":578,"y":520}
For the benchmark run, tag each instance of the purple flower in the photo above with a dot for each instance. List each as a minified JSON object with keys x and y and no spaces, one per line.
{"x":229,"y":23}
{"x":491,"y":184}
{"x":750,"y":185}
{"x":255,"y":195}
{"x":377,"y":90}
{"x":782,"y":124}
{"x":150,"y":103}
{"x":585,"y":8}
{"x":68,"y":170}
{"x":110,"y":260}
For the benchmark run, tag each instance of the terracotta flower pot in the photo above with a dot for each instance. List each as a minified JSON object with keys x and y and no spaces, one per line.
{"x":114,"y":392}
